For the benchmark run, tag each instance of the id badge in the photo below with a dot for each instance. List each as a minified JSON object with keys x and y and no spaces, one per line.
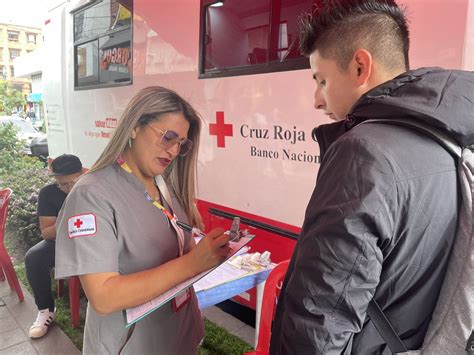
{"x":181,"y":299}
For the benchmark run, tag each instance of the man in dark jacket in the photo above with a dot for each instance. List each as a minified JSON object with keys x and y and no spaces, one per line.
{"x":382,"y":218}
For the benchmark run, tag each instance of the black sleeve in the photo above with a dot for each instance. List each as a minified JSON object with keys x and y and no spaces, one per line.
{"x":49,"y":202}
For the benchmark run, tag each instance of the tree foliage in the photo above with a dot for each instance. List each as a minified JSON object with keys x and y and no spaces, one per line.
{"x":10,"y":98}
{"x":25,"y":176}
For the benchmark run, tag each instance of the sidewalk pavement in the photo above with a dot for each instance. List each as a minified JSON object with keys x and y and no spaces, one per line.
{"x":15,"y":322}
{"x":16,"y":319}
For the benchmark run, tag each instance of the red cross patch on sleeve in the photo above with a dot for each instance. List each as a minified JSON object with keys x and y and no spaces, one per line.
{"x":81,"y":225}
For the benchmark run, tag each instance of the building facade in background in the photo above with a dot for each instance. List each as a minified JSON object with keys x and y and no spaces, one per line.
{"x":16,"y":41}
{"x":29,"y":68}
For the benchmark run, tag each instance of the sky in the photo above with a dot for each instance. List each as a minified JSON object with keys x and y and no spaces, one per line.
{"x":23,"y":12}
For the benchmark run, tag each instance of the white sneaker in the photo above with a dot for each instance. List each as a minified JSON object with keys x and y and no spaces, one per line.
{"x":43,"y":321}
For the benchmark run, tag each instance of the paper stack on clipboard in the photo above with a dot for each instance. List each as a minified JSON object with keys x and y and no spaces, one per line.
{"x":134,"y":314}
{"x":230,"y":271}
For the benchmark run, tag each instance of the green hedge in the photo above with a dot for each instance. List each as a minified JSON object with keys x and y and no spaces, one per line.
{"x":25,"y":176}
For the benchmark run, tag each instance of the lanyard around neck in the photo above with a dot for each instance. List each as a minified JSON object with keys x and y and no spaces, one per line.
{"x":171,"y":217}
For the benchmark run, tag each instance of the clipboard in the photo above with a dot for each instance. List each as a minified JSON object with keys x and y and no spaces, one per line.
{"x":134,"y":314}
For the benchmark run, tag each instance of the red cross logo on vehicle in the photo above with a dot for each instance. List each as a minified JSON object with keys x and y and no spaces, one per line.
{"x":220,"y":129}
{"x":78,"y":223}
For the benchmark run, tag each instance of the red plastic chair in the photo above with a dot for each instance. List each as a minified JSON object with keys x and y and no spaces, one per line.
{"x":5,"y":261}
{"x":271,"y":292}
{"x":74,"y":297}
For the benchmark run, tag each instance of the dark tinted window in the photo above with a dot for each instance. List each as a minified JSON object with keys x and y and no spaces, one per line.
{"x":98,"y":19}
{"x":251,"y":36}
{"x":115,"y":57}
{"x":87,"y":64}
{"x":103,"y":35}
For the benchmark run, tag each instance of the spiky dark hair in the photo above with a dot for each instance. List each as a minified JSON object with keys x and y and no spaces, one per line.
{"x":339,"y":27}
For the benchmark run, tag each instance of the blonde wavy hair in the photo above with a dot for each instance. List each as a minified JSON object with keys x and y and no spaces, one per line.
{"x":146,"y":106}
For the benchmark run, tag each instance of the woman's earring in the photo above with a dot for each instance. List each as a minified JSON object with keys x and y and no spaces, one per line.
{"x":129,"y":142}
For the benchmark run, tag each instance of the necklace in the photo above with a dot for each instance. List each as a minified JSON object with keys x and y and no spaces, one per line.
{"x":154,"y":194}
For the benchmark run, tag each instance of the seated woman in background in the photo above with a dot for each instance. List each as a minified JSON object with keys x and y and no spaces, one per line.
{"x":118,"y":231}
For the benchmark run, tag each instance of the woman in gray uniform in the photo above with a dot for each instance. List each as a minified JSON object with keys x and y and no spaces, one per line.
{"x":117,"y":230}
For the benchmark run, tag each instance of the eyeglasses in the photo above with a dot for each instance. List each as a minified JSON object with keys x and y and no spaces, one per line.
{"x":67,"y":185}
{"x":170,"y":138}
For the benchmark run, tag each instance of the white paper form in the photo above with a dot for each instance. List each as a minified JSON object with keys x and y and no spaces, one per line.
{"x":224,"y":273}
{"x":132,"y":315}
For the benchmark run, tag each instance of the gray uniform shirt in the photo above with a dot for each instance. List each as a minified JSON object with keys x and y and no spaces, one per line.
{"x":107,"y":225}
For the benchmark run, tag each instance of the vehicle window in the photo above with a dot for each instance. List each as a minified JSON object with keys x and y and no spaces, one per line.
{"x":24,"y":126}
{"x":241,"y":37}
{"x":102,"y":44}
{"x":98,"y":19}
{"x":87,"y":64}
{"x":115,"y":58}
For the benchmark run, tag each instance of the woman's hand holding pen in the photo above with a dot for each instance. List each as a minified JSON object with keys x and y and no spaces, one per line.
{"x":210,"y":251}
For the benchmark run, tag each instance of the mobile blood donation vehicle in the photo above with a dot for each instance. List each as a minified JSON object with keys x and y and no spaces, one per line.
{"x":238,"y":63}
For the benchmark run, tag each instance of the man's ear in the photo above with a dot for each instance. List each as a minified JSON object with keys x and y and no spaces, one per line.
{"x":50,"y":161}
{"x":362,"y":62}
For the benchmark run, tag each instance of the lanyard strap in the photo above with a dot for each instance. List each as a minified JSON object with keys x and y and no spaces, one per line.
{"x":160,"y":182}
{"x":166,"y":196}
